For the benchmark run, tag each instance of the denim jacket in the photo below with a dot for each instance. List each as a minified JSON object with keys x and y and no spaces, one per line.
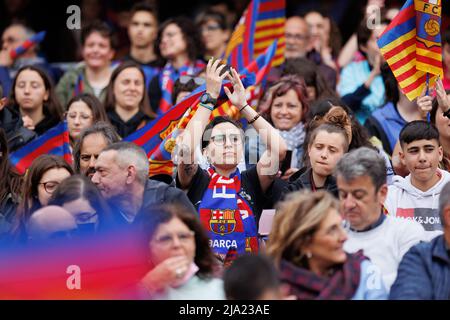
{"x":424,"y":272}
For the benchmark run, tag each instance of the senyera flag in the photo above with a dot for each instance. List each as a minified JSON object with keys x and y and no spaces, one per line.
{"x":32,"y":41}
{"x":262,"y":22}
{"x":411,"y":45}
{"x":260,"y":67}
{"x":54,"y":141}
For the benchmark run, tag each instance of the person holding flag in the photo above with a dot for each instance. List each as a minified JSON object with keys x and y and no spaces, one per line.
{"x":215,"y":33}
{"x":412,"y":47}
{"x":33,"y":96}
{"x":229,"y":202}
{"x":20,"y":47}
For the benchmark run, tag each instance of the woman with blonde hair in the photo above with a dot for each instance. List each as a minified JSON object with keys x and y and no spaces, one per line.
{"x":306,"y":245}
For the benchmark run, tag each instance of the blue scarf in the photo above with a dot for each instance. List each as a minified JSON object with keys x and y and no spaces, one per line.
{"x":228,"y":217}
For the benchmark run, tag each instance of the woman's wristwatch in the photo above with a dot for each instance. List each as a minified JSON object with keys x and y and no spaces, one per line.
{"x":207,"y":98}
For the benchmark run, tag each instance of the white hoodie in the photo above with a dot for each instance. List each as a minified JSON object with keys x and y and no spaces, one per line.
{"x":406,"y":201}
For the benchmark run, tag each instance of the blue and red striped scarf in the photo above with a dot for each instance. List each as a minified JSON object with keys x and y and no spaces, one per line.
{"x":167,"y":78}
{"x":228,"y":217}
{"x":79,"y":85}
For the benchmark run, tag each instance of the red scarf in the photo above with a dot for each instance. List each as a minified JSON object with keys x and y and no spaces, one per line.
{"x":341,"y":285}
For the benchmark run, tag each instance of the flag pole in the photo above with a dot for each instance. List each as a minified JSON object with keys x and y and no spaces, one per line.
{"x":426,"y":93}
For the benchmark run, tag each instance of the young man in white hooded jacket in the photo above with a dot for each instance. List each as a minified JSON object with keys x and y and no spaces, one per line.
{"x":416,"y":196}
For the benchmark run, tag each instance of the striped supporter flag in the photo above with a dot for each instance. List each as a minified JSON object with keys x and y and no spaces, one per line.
{"x":54,"y":141}
{"x":411,"y":45}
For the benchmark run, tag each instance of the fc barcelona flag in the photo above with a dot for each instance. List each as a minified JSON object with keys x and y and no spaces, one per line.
{"x":54,"y":141}
{"x":262,"y":23}
{"x":411,"y":45}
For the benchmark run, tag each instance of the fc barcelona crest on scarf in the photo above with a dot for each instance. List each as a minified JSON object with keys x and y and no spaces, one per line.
{"x":222,"y":221}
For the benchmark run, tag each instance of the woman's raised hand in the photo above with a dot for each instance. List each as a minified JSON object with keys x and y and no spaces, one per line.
{"x":237,"y":98}
{"x":441,"y":95}
{"x":214,"y":78}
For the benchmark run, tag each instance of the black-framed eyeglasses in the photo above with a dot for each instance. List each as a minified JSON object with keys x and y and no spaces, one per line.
{"x":220,"y":139}
{"x":197,"y":80}
{"x":298,"y":37}
{"x":50,"y":186}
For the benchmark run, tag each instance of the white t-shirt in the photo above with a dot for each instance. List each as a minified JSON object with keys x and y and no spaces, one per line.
{"x":386,"y":244}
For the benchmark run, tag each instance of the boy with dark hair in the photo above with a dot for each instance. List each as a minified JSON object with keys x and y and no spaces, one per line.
{"x":417,"y":195}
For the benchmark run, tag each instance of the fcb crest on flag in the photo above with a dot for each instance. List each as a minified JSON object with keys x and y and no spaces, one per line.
{"x":411,"y":45}
{"x":428,"y":44}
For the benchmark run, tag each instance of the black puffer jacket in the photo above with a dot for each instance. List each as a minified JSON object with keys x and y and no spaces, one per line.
{"x":16,"y":133}
{"x":302,"y":180}
{"x":8,"y":209}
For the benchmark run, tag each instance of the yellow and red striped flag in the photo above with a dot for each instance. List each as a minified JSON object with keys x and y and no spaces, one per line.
{"x":411,"y":45}
{"x":261,"y":24}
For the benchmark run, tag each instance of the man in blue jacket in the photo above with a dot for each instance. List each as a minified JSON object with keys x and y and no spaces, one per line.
{"x":424,"y":272}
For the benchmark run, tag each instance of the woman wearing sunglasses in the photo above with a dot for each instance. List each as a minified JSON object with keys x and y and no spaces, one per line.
{"x":229,"y":202}
{"x":178,"y":47}
{"x":215,"y":33}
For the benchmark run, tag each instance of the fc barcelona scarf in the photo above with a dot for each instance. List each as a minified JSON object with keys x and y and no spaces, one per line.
{"x":227,"y":216}
{"x":167,"y":78}
{"x":79,"y":85}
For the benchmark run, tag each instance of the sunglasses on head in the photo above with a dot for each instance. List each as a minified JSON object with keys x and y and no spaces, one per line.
{"x":197,"y":80}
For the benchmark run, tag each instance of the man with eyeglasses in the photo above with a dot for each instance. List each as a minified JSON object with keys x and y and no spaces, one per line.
{"x":297,"y":37}
{"x":361,"y":181}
